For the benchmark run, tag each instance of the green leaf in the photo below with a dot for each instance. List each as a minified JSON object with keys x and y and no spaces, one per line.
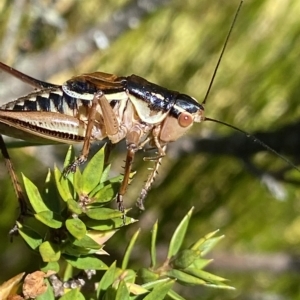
{"x":110,"y":294}
{"x":74,"y":294}
{"x":63,"y":185}
{"x":179,"y":235}
{"x":87,"y":242}
{"x":74,"y":207}
{"x":92,"y":173}
{"x":128,"y":275}
{"x":76,"y":227}
{"x":119,"y":178}
{"x":31,"y":237}
{"x":208,"y":277}
{"x":200,"y":263}
{"x":184,"y":277}
{"x":103,"y":213}
{"x":137,"y":290}
{"x":85,"y":263}
{"x":74,"y":251}
{"x":210,"y":244}
{"x":50,"y":195}
{"x":86,"y":245}
{"x":49,"y":218}
{"x":107,"y":193}
{"x":201,"y":243}
{"x":153,"y":245}
{"x":107,"y":280}
{"x":147,"y":275}
{"x":122,"y":291}
{"x":48,"y":295}
{"x":105,"y":173}
{"x":185,"y":258}
{"x":129,"y":249}
{"x":50,"y":266}
{"x":68,"y":272}
{"x":115,"y":183}
{"x":49,"y":252}
{"x":101,"y":237}
{"x":77,"y":181}
{"x":34,"y":196}
{"x":206,"y":243}
{"x":152,"y":284}
{"x":174,"y":295}
{"x":220,"y":285}
{"x":70,"y":156}
{"x":160,"y":291}
{"x":111,"y":224}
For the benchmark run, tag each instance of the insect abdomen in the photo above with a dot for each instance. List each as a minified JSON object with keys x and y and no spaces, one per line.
{"x":47,"y":100}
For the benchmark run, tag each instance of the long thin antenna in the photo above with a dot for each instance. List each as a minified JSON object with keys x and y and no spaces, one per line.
{"x":222,"y":52}
{"x":256,"y":140}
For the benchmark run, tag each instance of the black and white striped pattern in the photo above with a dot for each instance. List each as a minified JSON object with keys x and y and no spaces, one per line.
{"x":46,"y":100}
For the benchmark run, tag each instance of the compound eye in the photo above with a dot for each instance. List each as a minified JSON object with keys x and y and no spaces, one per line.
{"x":185,"y":119}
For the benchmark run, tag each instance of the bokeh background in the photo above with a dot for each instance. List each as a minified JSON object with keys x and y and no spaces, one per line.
{"x":235,"y":185}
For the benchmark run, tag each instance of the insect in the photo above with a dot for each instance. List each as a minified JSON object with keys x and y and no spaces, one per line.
{"x":95,"y":106}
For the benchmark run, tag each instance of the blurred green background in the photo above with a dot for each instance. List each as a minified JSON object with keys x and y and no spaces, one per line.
{"x":176,"y":44}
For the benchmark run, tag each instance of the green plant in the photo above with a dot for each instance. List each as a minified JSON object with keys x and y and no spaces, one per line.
{"x":70,"y":225}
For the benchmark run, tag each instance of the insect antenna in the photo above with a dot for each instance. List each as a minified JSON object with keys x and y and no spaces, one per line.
{"x":256,"y":140}
{"x":222,"y":52}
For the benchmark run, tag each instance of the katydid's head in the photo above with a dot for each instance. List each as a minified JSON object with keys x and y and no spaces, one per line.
{"x":185,"y":111}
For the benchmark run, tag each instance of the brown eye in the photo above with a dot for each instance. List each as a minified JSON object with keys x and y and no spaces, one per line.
{"x":185,"y":119}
